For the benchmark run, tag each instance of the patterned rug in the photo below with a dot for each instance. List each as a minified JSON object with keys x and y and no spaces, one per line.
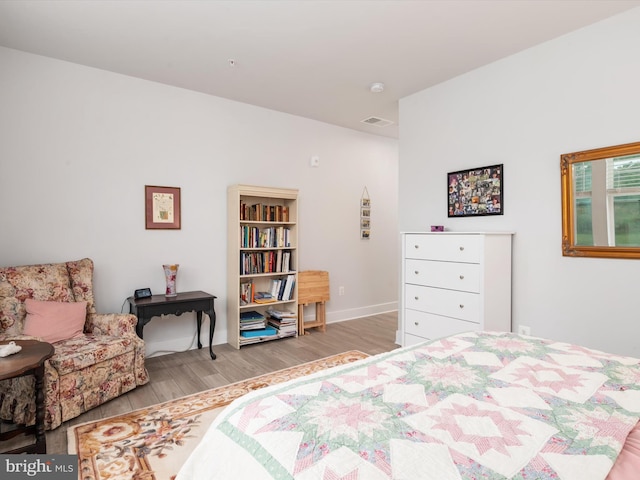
{"x":152,"y":443}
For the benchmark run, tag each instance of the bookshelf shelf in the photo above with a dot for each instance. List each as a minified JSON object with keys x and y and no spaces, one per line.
{"x":262,"y":257}
{"x":267,"y":274}
{"x":253,"y":306}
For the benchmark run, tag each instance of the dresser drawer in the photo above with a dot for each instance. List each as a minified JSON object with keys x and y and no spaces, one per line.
{"x":453,"y":276}
{"x":429,"y":326}
{"x":450,"y":303}
{"x":449,"y":248}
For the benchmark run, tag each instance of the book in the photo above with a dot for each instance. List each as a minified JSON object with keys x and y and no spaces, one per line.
{"x":275,"y":288}
{"x":284,"y":328}
{"x":288,"y":289}
{"x":263,"y":297}
{"x":251,"y":315}
{"x":246,"y":293}
{"x":276,"y":322}
{"x":280,"y":314}
{"x":257,"y":325}
{"x":263,"y":332}
{"x":286,"y":261}
{"x":265,"y":300}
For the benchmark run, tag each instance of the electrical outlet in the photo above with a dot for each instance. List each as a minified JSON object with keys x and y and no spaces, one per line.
{"x":524,"y":330}
{"x":340,"y":291}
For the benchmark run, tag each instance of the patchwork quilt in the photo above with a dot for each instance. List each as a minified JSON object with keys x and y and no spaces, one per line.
{"x":482,"y":405}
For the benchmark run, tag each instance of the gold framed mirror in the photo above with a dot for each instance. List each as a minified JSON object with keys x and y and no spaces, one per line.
{"x":601,"y":202}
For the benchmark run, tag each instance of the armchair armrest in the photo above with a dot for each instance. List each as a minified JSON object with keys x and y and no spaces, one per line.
{"x":115,"y":324}
{"x":8,"y":338}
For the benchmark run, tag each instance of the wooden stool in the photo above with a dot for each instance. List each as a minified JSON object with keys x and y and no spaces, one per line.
{"x":313,"y":287}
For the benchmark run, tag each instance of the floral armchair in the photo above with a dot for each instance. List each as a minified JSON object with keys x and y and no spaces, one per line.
{"x":102,"y":361}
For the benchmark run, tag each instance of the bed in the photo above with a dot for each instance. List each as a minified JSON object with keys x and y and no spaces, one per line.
{"x":480,"y":405}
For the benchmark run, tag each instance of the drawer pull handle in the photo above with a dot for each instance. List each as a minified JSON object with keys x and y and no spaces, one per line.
{"x":461,"y":277}
{"x":416,"y":323}
{"x":462,"y":249}
{"x":416,"y":246}
{"x":416,"y":298}
{"x":461,"y":306}
{"x":416,"y":272}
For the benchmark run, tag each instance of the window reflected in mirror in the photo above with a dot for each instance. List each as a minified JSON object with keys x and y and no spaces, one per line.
{"x":601,"y":202}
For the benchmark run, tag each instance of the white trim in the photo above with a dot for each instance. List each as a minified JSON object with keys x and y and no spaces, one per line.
{"x":183,"y":344}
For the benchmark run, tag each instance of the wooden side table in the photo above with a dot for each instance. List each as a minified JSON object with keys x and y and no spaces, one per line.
{"x":156,"y":305}
{"x":29,"y":360}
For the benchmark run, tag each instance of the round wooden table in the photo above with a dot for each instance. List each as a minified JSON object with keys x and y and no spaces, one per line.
{"x":29,"y":360}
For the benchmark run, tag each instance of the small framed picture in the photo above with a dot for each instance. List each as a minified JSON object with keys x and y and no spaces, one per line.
{"x":475,"y":192}
{"x":162,"y":207}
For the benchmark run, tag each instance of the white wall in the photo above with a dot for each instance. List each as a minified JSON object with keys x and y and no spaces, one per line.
{"x":578,"y":92}
{"x":78,"y":145}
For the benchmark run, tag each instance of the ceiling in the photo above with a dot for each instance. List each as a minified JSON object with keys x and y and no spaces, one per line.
{"x":315,"y":59}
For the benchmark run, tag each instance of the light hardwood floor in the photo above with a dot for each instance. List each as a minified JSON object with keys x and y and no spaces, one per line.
{"x":179,"y":374}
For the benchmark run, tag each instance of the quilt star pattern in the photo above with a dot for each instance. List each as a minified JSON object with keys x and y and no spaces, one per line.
{"x":480,"y":405}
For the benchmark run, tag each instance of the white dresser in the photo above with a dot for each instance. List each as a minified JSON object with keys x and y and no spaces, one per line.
{"x":454,"y":282}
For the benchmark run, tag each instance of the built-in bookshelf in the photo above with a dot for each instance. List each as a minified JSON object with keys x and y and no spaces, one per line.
{"x":262,"y":264}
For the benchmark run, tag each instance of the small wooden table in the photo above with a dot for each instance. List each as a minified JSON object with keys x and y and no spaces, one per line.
{"x":29,"y":360}
{"x":313,"y":287}
{"x":156,"y":305}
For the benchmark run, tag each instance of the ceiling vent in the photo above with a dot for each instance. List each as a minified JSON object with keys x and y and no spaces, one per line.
{"x":377,"y":121}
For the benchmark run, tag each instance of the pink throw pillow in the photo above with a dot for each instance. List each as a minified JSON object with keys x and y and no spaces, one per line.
{"x":627,"y":464}
{"x":54,"y":321}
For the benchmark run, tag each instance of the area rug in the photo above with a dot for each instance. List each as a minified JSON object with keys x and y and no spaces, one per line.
{"x":152,"y":443}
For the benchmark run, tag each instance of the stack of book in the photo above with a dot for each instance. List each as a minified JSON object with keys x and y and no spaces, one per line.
{"x":285,"y":322}
{"x":264,"y":297}
{"x":252,"y":320}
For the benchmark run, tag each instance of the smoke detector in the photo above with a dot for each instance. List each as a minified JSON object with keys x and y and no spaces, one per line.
{"x":377,"y":87}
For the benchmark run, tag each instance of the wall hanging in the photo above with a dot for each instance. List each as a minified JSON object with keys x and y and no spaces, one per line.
{"x":365,"y":214}
{"x":162,"y":207}
{"x":475,"y":192}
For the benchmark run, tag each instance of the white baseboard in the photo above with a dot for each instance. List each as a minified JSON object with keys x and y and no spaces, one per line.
{"x":352,"y":313}
{"x":174,"y":344}
{"x":156,"y":348}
